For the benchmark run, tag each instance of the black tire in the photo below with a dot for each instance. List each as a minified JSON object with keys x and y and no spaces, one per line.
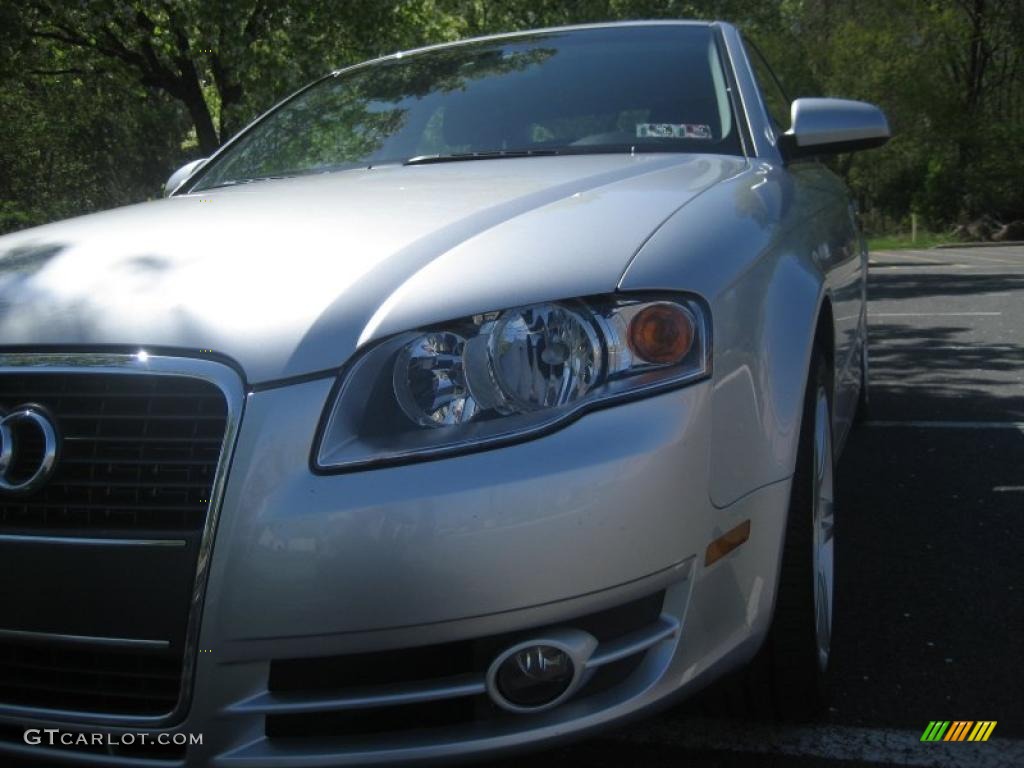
{"x":785,"y":680}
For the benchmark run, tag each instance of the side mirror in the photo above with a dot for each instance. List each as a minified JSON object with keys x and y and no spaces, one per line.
{"x":180,"y":175}
{"x":830,"y":126}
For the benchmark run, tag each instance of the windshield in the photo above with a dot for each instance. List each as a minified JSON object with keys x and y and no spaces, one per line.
{"x":658,"y":88}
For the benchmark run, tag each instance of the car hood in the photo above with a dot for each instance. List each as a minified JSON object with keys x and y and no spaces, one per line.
{"x":289,"y":277}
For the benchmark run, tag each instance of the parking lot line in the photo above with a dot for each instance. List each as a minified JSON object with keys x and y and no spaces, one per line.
{"x":832,"y":742}
{"x":981,"y":269}
{"x":934,"y":314}
{"x":930,"y":259}
{"x":933,"y":256}
{"x":1008,"y":262}
{"x":887,"y":346}
{"x":881,"y":265}
{"x":924,"y":424}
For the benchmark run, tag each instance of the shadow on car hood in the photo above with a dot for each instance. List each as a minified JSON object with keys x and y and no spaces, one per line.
{"x":290,"y":276}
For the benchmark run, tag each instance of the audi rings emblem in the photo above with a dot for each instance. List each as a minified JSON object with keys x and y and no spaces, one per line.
{"x":24,"y":465}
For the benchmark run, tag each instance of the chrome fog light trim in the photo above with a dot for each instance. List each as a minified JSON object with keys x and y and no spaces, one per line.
{"x":577,"y":647}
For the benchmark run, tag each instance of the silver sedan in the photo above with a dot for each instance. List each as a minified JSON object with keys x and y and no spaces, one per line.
{"x":472,"y":398}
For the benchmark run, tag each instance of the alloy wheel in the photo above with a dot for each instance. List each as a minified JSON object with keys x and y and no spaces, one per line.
{"x":823,"y":520}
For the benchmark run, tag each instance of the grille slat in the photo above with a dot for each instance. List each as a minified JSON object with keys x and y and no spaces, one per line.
{"x":111,"y":484}
{"x":86,"y":687}
{"x":100,"y":672}
{"x":139,"y":454}
{"x":147,"y":440}
{"x":27,"y":395}
{"x":137,"y":417}
{"x":135,"y":462}
{"x":100,"y":680}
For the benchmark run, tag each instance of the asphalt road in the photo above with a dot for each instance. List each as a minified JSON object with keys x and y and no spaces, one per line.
{"x":930,"y":536}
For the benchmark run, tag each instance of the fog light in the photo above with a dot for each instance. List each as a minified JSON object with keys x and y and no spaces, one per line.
{"x":535,"y":676}
{"x":541,"y":672}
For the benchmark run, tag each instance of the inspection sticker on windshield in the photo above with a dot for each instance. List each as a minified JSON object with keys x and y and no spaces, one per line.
{"x":672,"y":131}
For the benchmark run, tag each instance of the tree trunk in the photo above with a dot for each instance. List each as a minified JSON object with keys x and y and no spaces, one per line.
{"x":203,"y":121}
{"x":191,"y":92}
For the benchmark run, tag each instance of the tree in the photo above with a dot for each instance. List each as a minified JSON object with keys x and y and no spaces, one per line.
{"x":101,"y":99}
{"x":223,"y":60}
{"x":75,"y":140}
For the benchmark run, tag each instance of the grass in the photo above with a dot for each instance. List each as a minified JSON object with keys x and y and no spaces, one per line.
{"x":902,"y":241}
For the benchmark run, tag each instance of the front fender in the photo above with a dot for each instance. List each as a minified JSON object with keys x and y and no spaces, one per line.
{"x":747,"y":246}
{"x":765,"y":327}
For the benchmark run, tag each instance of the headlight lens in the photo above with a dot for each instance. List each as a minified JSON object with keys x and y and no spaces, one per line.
{"x":504,"y":375}
{"x":543,"y":356}
{"x":430,"y":382}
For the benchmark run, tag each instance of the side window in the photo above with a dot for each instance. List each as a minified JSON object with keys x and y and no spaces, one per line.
{"x":775,"y":98}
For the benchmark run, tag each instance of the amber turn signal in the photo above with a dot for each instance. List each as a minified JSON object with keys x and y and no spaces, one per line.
{"x":727,"y":542}
{"x":661,"y":333}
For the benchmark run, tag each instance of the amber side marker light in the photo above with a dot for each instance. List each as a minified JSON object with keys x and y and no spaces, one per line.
{"x":661,"y":333}
{"x":727,"y":542}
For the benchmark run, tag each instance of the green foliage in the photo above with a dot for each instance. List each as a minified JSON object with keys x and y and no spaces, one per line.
{"x":949,"y":76}
{"x":904,"y":241}
{"x":101,"y":99}
{"x":73,"y":144}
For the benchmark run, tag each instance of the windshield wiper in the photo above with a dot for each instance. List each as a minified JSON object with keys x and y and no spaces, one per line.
{"x":236,"y":182}
{"x":497,"y":154}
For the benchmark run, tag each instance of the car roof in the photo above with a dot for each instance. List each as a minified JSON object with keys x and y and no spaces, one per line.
{"x":525,"y":32}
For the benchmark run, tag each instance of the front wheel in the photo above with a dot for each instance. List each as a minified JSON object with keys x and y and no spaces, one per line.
{"x":788,"y":678}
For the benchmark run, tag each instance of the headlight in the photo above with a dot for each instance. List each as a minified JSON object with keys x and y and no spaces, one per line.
{"x":503,"y":376}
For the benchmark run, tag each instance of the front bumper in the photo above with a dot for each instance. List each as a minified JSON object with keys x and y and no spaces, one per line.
{"x":608,"y":511}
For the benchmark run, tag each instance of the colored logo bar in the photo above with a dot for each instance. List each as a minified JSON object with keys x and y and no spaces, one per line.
{"x":958,"y":730}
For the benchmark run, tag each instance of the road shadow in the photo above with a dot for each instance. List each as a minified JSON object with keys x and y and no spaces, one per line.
{"x":895,"y":284}
{"x":938,"y":372}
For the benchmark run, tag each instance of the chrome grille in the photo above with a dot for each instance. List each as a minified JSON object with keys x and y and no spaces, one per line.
{"x":139,"y":452}
{"x":101,"y":567}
